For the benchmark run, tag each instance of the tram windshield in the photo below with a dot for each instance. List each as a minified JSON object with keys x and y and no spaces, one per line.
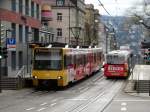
{"x":47,"y":59}
{"x":115,"y":59}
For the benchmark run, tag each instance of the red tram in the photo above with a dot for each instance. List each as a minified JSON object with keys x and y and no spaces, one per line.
{"x":118,"y":63}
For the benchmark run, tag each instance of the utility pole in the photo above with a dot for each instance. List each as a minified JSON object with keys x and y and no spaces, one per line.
{"x":69,"y":20}
{"x":0,"y":60}
{"x":77,"y":23}
{"x":106,"y":40}
{"x":8,"y":30}
{"x":76,"y":29}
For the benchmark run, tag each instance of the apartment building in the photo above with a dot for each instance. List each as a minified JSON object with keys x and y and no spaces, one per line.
{"x":21,"y":21}
{"x":92,"y":25}
{"x":67,"y":20}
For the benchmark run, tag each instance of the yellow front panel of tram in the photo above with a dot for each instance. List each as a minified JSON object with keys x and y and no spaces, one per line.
{"x":60,"y":76}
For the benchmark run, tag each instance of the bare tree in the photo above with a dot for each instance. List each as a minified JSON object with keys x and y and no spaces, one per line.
{"x":140,"y":14}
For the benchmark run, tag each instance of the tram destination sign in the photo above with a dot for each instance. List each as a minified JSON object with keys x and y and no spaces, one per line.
{"x":44,"y":50}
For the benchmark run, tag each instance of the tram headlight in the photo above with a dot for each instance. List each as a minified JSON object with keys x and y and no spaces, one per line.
{"x":35,"y":77}
{"x":59,"y":77}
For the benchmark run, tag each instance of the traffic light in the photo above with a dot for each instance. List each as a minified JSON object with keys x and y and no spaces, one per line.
{"x":145,"y":58}
{"x":2,"y":31}
{"x":149,"y":51}
{"x":4,"y":52}
{"x":0,"y":52}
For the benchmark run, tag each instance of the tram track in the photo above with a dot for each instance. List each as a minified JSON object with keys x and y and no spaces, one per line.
{"x":81,"y":106}
{"x":87,"y":81}
{"x":73,"y":99}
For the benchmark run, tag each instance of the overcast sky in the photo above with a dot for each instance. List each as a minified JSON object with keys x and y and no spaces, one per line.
{"x":114,"y":7}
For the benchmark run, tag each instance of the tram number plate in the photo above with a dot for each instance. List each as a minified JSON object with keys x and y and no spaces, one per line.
{"x":115,"y":73}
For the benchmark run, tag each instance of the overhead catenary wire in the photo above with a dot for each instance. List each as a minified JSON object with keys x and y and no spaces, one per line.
{"x":104,"y":7}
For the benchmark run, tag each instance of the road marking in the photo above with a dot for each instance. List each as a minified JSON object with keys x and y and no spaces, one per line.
{"x":41,"y":109}
{"x":85,"y":89}
{"x":30,"y":108}
{"x":123,"y":103}
{"x":81,"y":88}
{"x":54,"y":100}
{"x":43,"y":104}
{"x":53,"y":104}
{"x":96,"y":79}
{"x":132,"y":100}
{"x":81,"y":99}
{"x":123,"y":109}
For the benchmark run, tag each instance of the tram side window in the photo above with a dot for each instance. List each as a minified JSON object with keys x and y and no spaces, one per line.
{"x":84,"y":59}
{"x":100,"y":56}
{"x":79,"y":60}
{"x":74,"y":61}
{"x":67,"y":61}
{"x":94,"y":57}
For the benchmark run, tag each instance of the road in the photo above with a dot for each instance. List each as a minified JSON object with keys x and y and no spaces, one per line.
{"x":95,"y":94}
{"x":126,"y":103}
{"x":135,"y":103}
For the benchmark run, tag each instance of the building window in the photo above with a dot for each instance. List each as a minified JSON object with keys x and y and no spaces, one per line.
{"x":20,"y":6}
{"x":13,"y":5}
{"x":13,"y":26}
{"x":13,"y":60}
{"x":27,"y":7}
{"x":26,"y":33}
{"x":20,"y":33}
{"x":59,"y":16}
{"x":32,"y":9}
{"x":37,"y":11}
{"x":59,"y":32}
{"x":20,"y":59}
{"x":60,"y":2}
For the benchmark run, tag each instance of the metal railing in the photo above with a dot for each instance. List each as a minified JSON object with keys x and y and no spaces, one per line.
{"x":21,"y":72}
{"x":138,"y":82}
{"x":149,"y":86}
{"x":21,"y":77}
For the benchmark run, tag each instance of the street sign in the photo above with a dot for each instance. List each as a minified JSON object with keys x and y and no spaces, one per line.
{"x":11,"y":43}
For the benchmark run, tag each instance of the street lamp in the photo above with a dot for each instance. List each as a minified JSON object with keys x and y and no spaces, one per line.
{"x":96,"y":21}
{"x":1,"y":33}
{"x":106,"y":40}
{"x":95,"y":31}
{"x":141,"y":21}
{"x":144,"y":24}
{"x":112,"y":39}
{"x":76,"y":33}
{"x":7,"y":31}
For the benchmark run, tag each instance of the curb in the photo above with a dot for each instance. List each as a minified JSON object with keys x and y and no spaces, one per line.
{"x":129,"y":89}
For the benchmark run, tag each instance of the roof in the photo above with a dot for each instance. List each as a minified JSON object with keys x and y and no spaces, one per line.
{"x":120,"y":52}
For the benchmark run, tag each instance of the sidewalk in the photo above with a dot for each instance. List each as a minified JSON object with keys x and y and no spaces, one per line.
{"x":13,"y":93}
{"x":12,"y":97}
{"x":141,"y":73}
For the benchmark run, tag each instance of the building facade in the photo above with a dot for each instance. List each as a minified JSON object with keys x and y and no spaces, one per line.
{"x":89,"y":24}
{"x":102,"y":37}
{"x":21,"y":21}
{"x":92,"y":20}
{"x":67,"y":20}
